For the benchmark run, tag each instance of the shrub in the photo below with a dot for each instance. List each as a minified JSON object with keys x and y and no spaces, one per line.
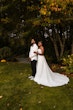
{"x":49,"y":59}
{"x":5,"y":52}
{"x":68,"y":63}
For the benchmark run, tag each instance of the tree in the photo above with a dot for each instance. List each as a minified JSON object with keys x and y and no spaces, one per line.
{"x":22,"y":19}
{"x":54,"y":16}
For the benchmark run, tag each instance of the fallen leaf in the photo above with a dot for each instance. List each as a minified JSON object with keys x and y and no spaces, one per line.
{"x":8,"y":104}
{"x":39,"y":102}
{"x":1,"y":97}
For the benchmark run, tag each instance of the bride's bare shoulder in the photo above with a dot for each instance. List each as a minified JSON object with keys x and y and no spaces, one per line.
{"x":42,"y":49}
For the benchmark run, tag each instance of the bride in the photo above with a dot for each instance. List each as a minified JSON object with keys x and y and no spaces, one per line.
{"x":44,"y":75}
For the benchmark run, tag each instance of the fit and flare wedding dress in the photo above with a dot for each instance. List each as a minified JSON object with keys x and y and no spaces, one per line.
{"x":45,"y":76}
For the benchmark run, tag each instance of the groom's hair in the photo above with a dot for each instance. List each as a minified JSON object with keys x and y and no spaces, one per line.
{"x":34,"y":39}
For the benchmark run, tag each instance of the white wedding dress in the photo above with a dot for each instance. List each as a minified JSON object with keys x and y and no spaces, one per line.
{"x":45,"y":76}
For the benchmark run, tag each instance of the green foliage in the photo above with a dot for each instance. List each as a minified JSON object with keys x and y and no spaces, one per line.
{"x":5,"y":52}
{"x":68,"y":62}
{"x":22,"y":19}
{"x":49,"y":59}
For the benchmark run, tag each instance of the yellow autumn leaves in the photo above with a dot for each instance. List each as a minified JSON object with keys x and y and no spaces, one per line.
{"x":43,"y":10}
{"x":68,"y":62}
{"x":3,"y":60}
{"x":47,"y":8}
{"x":5,"y":20}
{"x":53,"y":5}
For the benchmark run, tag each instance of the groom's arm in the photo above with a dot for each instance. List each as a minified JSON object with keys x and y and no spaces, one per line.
{"x":35,"y":49}
{"x":33,"y":54}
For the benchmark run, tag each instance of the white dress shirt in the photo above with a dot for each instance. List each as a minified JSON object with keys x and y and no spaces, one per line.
{"x":32,"y":55}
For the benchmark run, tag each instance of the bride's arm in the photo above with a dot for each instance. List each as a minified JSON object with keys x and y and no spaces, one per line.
{"x":42,"y":50}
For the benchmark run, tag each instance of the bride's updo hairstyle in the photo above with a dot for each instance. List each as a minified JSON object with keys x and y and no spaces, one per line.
{"x":40,"y":43}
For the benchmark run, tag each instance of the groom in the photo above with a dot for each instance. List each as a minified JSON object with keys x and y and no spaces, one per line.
{"x":33,"y":57}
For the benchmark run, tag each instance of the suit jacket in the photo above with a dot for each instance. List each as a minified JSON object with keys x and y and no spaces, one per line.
{"x":32,"y":55}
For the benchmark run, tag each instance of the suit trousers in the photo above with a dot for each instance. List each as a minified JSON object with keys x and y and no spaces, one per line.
{"x":33,"y":67}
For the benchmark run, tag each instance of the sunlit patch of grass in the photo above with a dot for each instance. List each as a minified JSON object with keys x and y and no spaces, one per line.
{"x":18,"y":91}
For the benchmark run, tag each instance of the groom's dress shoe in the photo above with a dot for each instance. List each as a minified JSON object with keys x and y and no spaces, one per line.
{"x":32,"y":78}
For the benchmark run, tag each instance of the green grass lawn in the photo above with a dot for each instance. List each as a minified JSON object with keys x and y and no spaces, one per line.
{"x":17,"y":90}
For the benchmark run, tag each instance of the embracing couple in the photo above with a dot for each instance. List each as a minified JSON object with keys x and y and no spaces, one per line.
{"x":41,"y":72}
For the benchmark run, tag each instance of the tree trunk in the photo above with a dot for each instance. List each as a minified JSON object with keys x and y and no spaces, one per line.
{"x":62,"y":48}
{"x":55,"y":47}
{"x":61,"y":40}
{"x":62,"y":51}
{"x":56,"y":50}
{"x":72,"y":48}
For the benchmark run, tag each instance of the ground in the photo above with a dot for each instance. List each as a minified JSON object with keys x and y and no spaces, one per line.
{"x":17,"y":92}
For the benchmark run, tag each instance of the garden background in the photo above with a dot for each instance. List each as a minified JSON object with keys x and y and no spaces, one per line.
{"x":50,"y":21}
